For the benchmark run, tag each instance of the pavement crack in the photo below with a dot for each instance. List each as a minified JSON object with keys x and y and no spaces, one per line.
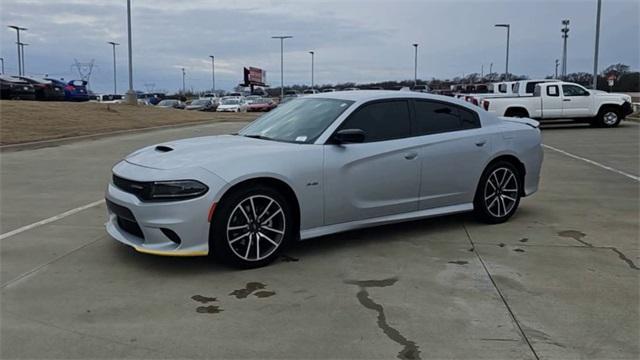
{"x":504,"y":300}
{"x":578,"y":235}
{"x":624,"y":258}
{"x":411,"y":350}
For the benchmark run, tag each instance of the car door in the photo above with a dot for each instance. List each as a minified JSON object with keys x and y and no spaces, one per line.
{"x":378,"y":177}
{"x":576,"y":101}
{"x":552,"y":104}
{"x":454,"y":149}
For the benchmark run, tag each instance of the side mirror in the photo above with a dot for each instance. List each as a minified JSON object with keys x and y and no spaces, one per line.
{"x":347,"y":136}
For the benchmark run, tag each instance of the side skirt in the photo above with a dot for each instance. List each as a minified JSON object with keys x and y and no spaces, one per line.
{"x":383,"y":220}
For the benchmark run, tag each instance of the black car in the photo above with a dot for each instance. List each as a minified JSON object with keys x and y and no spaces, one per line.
{"x":45,"y":89}
{"x":16,"y":89}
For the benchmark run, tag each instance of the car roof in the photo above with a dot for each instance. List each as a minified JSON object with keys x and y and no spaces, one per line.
{"x":366,"y":95}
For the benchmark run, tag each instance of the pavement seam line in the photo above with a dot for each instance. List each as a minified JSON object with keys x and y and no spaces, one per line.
{"x":51,"y":219}
{"x":504,"y":301}
{"x":595,"y":163}
{"x":23,"y":275}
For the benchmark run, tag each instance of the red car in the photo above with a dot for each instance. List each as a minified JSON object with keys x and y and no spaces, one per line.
{"x":261,"y":105}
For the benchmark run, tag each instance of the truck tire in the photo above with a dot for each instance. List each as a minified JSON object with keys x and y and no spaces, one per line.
{"x":516,"y":112}
{"x":608,"y":117}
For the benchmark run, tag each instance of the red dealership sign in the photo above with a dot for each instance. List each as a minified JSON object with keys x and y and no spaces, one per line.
{"x":254,"y":76}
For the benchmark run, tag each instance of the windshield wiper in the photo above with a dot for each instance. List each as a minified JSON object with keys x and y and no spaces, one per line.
{"x":258,"y":136}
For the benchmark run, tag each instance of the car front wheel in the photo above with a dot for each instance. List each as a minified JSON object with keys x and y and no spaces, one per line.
{"x":498,"y":194}
{"x":251,"y":226}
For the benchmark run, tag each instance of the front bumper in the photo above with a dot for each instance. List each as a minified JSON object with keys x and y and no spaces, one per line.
{"x":176,"y":228}
{"x":627,"y":109}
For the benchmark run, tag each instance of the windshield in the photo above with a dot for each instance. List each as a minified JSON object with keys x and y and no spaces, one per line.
{"x":230,"y":102}
{"x":199,"y":102}
{"x":300,"y":120}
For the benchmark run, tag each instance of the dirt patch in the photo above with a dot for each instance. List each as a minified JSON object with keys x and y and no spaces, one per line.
{"x":28,"y":121}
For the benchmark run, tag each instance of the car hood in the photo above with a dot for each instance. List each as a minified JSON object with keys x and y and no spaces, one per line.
{"x":210,"y":152}
{"x":611,"y":96}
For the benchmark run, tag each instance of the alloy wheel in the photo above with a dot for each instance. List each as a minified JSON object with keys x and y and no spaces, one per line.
{"x":256,"y":228}
{"x":610,"y":118}
{"x":501,"y":192}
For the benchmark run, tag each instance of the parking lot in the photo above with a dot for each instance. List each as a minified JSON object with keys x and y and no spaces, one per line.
{"x":559,"y":280}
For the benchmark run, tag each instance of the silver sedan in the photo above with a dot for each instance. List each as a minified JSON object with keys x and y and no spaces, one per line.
{"x":318,"y":165}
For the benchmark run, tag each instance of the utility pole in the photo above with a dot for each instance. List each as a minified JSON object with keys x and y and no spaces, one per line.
{"x":22,"y":45}
{"x":131,"y":98}
{"x":491,"y":68}
{"x":183,"y":87}
{"x":2,"y":60}
{"x":482,"y":71}
{"x":17,"y":29}
{"x":282,"y":62}
{"x":312,"y":55}
{"x":115,"y":86}
{"x":213,"y":74}
{"x":557,"y":63}
{"x":565,"y":35}
{"x":595,"y":56}
{"x":506,"y":66}
{"x":415,"y":65}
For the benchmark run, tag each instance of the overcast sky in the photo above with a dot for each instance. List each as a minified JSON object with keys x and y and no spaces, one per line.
{"x":359,"y":41}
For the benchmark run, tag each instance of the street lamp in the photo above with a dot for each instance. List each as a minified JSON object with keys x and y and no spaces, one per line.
{"x":595,"y":56}
{"x":415,"y":66}
{"x":131,"y":95}
{"x":213,"y":74}
{"x":2,"y":60}
{"x":183,"y":87}
{"x":22,"y":45}
{"x":282,"y":62}
{"x":312,"y":54}
{"x":115,"y":87}
{"x":557,"y":63}
{"x":17,"y":29}
{"x":506,"y":66}
{"x":565,"y":36}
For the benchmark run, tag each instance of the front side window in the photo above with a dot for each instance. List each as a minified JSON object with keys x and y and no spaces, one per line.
{"x":301,"y":120}
{"x":573,"y":90}
{"x":381,"y":121}
{"x":435,"y":117}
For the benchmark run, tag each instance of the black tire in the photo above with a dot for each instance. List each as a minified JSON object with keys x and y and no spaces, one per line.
{"x":517,"y":113}
{"x":608,"y":117}
{"x":498,"y":208}
{"x":229,"y":215}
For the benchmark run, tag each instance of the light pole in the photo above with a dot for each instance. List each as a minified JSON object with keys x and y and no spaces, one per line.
{"x":115,"y":86}
{"x":565,"y":36}
{"x":17,"y":29}
{"x":2,"y":60}
{"x":22,"y":45}
{"x":506,"y":66}
{"x":481,"y":71}
{"x":312,"y":55}
{"x":282,"y":62}
{"x":213,"y":74}
{"x":557,"y":63}
{"x":131,"y":95}
{"x":595,"y":56}
{"x":183,"y":87}
{"x":491,"y":68}
{"x":415,"y":65}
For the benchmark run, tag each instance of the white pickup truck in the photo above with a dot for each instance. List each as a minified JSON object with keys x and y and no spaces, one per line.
{"x":563,"y":100}
{"x":506,"y":89}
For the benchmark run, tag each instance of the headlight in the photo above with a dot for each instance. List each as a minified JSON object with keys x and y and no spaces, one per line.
{"x":176,"y":190}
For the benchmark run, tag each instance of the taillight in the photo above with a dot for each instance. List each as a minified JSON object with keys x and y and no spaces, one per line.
{"x":69,"y":88}
{"x":485,"y":105}
{"x":474,"y":101}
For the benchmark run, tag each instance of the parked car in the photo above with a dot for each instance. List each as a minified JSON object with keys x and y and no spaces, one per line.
{"x":171,"y":103}
{"x":564,"y":100}
{"x":201,"y":105}
{"x":232,"y":105}
{"x":262,"y":104}
{"x":107,"y":98}
{"x":310,"y":92}
{"x":328,"y":90}
{"x":319,"y":165}
{"x":76,"y":90}
{"x":44,"y":89}
{"x":16,"y":89}
{"x":422,"y":88}
{"x":350,"y":89}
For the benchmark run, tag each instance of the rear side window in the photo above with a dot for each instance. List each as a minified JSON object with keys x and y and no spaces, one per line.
{"x":502,"y":88}
{"x":553,"y":90}
{"x":381,"y":121}
{"x":531,"y":86}
{"x":435,"y":117}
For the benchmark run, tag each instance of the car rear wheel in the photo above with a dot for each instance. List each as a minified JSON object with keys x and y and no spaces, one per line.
{"x":498,"y":194}
{"x":251,"y":226}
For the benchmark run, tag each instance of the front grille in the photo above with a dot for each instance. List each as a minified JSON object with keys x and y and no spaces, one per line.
{"x":140,"y":189}
{"x":125,"y":218}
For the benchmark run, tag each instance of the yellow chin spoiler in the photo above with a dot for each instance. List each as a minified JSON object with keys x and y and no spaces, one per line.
{"x":172,"y":253}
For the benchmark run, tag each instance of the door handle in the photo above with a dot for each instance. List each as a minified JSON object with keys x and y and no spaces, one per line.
{"x":481,"y":143}
{"x":411,"y":155}
{"x":566,"y":99}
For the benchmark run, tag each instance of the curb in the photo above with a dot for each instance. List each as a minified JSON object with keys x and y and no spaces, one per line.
{"x":67,"y":140}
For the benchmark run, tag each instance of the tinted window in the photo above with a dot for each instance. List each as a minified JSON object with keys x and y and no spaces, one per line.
{"x":573,"y":90}
{"x":553,"y":90}
{"x":531,"y":85}
{"x":434,"y":117}
{"x":502,"y":88}
{"x":381,"y":120}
